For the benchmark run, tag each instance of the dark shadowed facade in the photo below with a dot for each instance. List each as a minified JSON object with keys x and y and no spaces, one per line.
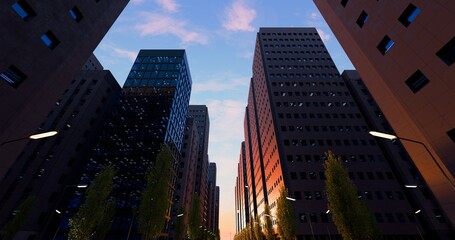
{"x":404,"y":51}
{"x":298,"y":108}
{"x":44,"y":45}
{"x":49,"y":169}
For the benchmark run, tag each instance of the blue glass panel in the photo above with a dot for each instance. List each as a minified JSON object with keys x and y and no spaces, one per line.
{"x":19,"y":10}
{"x":46,"y":40}
{"x":413,"y":15}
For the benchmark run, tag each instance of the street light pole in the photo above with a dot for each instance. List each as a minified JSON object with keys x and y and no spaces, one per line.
{"x":393,"y":137}
{"x":33,"y":137}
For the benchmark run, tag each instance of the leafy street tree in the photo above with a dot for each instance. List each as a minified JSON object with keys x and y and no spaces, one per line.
{"x":287,"y":228}
{"x":352,"y":216}
{"x":15,"y":224}
{"x":269,"y":232}
{"x":257,"y":228}
{"x":195,"y":222}
{"x":93,"y":220}
{"x":155,"y":201}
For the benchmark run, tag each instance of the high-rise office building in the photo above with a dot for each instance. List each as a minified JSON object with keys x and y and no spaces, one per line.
{"x":48,"y":169}
{"x":242,"y":212}
{"x":298,"y":108}
{"x":151,"y":111}
{"x":44,"y":45}
{"x":211,"y":205}
{"x":404,"y":51}
{"x":186,"y":177}
{"x":200,"y":115}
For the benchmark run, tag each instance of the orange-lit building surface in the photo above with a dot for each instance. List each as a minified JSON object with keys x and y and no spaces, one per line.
{"x":404,"y":51}
{"x":298,"y":108}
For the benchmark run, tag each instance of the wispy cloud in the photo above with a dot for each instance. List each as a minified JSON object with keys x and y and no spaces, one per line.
{"x":158,"y":24}
{"x":137,"y":1}
{"x":221,"y":83}
{"x":239,"y":17}
{"x":168,"y":5}
{"x":119,"y":52}
{"x":324,"y":36}
{"x":226,"y":120}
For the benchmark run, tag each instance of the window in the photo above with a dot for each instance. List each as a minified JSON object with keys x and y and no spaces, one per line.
{"x":23,"y":9}
{"x":451,"y":134}
{"x":417,"y":81}
{"x":344,"y":2}
{"x":385,"y":45}
{"x":447,"y":53}
{"x":409,"y":14}
{"x":50,"y":39}
{"x":362,"y":19}
{"x":76,"y":14}
{"x":13,"y":76}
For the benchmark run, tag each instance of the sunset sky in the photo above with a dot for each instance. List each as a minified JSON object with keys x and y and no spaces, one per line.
{"x":219,"y":38}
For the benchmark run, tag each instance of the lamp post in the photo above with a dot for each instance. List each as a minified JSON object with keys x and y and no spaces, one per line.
{"x":32,"y":137}
{"x":393,"y":137}
{"x":58,"y":211}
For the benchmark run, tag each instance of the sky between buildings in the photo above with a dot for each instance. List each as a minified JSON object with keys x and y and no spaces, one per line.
{"x":219,"y":38}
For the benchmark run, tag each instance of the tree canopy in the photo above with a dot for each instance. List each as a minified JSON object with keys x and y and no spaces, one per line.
{"x":94,"y":217}
{"x":268,"y":225}
{"x":351,"y":216}
{"x":287,"y":228}
{"x":155,"y":197}
{"x":194,"y":230}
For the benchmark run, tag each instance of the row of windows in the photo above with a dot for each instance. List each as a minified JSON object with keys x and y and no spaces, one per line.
{"x":390,"y":217}
{"x":324,"y":128}
{"x":294,"y":46}
{"x":307,"y":84}
{"x":288,"y":34}
{"x":326,"y":115}
{"x":344,"y":158}
{"x":315,"y":104}
{"x":291,"y":39}
{"x":296,"y":52}
{"x":328,"y":142}
{"x":311,"y":94}
{"x":390,"y":195}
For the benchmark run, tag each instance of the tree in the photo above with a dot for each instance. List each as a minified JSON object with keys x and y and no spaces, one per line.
{"x":94,"y":217}
{"x":351,"y":216}
{"x":287,"y":228}
{"x":257,"y":229}
{"x":155,"y":197}
{"x":269,"y":232}
{"x":195,"y":221}
{"x":18,"y":220}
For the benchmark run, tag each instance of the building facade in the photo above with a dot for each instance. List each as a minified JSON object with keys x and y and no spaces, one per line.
{"x":299,"y":107}
{"x":49,"y":169}
{"x":200,"y":115}
{"x":404,"y":51}
{"x":151,"y":111}
{"x":212,"y":206}
{"x":44,"y":45}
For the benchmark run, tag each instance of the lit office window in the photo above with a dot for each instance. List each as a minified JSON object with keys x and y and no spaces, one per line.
{"x":409,"y":15}
{"x":13,"y":76}
{"x":362,"y":19}
{"x":447,"y":53}
{"x":76,"y":14}
{"x":50,"y":40}
{"x":23,"y":9}
{"x":417,"y":81}
{"x":385,"y":45}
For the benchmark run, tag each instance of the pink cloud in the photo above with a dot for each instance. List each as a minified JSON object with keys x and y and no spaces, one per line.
{"x":239,"y":17}
{"x":158,"y":24}
{"x":168,"y":5}
{"x":324,"y":36}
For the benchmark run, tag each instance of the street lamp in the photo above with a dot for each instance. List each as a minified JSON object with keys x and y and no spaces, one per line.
{"x":290,"y":199}
{"x":393,"y":137}
{"x":32,"y":137}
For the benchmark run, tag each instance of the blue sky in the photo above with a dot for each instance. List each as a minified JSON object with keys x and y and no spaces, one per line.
{"x":219,"y":38}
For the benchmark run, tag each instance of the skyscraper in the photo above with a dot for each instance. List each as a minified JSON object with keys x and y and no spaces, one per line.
{"x":44,"y":45}
{"x":200,"y":115}
{"x":48,"y":169}
{"x":298,"y":108}
{"x":404,"y":51}
{"x":151,"y":111}
{"x":211,"y":189}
